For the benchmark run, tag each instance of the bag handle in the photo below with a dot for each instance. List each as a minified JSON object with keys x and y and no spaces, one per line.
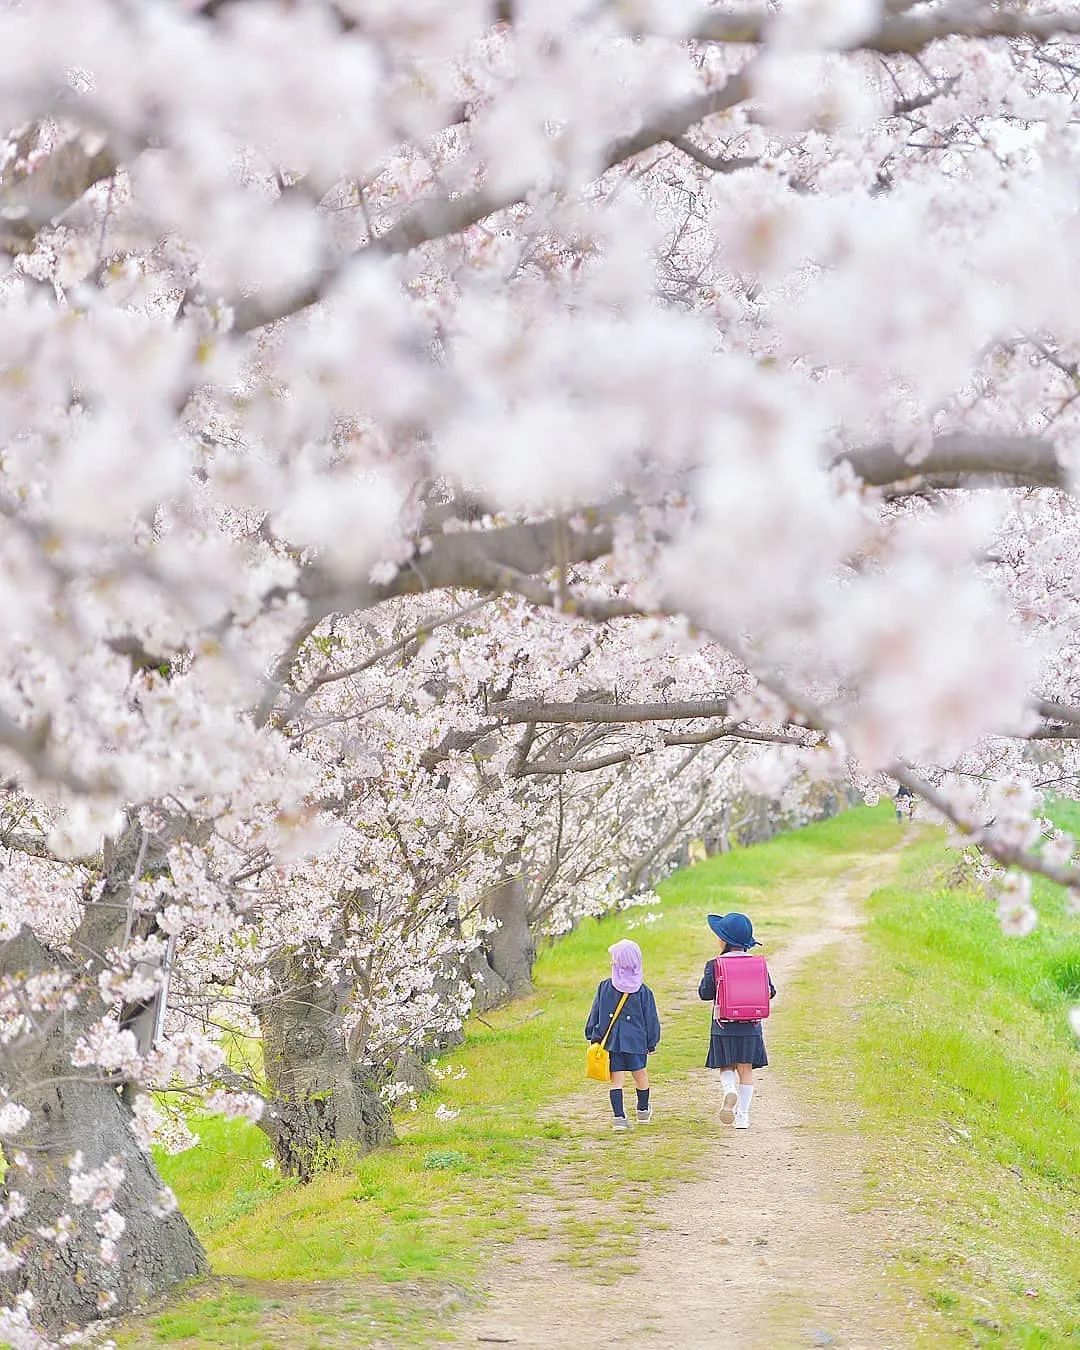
{"x":614,"y":1019}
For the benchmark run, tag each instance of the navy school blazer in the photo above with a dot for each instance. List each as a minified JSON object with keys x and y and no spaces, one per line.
{"x":637,"y":1032}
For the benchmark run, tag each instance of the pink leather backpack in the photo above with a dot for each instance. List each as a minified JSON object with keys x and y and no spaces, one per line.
{"x":742,"y":989}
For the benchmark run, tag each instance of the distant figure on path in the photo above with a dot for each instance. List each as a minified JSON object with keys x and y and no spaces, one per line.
{"x":904,"y":802}
{"x":736,"y":1048}
{"x":636,"y":1032}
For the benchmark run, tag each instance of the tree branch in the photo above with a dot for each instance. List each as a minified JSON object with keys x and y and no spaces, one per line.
{"x":439,"y":217}
{"x":500,"y":578}
{"x":714,"y":163}
{"x":32,"y":200}
{"x":1057,"y":712}
{"x":34,"y":746}
{"x":1005,"y":854}
{"x":961,"y":457}
{"x":36,"y":846}
{"x":503,"y":558}
{"x":905,"y":106}
{"x":238,"y":1082}
{"x":1055,"y":733}
{"x":279,"y":676}
{"x":667,"y":742}
{"x":902,"y":34}
{"x":318,"y":682}
{"x":536,"y":710}
{"x":902,"y":772}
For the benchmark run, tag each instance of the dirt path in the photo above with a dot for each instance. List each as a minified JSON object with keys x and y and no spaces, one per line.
{"x":792,"y":1258}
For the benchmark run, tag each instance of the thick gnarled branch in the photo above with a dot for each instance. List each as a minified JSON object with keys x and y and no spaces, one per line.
{"x":901,"y":34}
{"x":479,"y":560}
{"x":961,"y":459}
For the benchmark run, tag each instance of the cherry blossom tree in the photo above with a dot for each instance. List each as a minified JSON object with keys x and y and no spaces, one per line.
{"x":437,"y":441}
{"x":458,"y":844}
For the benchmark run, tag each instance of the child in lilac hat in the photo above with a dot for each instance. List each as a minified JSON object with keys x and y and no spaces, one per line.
{"x":636,"y":1032}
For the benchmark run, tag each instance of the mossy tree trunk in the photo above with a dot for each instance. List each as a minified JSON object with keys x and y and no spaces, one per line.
{"x":319,"y":1100}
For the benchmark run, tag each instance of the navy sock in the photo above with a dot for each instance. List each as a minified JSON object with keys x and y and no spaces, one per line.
{"x":616,"y":1101}
{"x":643,"y":1099}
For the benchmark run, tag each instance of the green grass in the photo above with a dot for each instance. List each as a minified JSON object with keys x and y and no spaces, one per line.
{"x":955,"y":1045}
{"x":423,"y":1217}
{"x":948,"y":1046}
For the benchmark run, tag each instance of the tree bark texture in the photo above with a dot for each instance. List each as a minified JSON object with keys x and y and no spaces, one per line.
{"x":320,"y":1099}
{"x":157,"y":1250}
{"x":510,"y":948}
{"x":82,"y":1111}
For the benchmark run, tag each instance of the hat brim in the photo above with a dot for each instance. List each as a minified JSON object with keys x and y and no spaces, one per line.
{"x":716,"y":923}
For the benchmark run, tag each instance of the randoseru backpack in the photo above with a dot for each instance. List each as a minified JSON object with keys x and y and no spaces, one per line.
{"x":742,"y":989}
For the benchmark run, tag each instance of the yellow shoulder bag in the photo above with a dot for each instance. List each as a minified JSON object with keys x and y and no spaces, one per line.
{"x":597,"y":1059}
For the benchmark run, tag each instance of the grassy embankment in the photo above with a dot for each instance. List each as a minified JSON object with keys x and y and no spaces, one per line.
{"x":956,"y":1051}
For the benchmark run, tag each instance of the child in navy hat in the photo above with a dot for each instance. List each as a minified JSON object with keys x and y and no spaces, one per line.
{"x":735,"y":1048}
{"x":636,"y":1032}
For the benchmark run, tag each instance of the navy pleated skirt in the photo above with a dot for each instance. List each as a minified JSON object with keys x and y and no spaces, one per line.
{"x":734,"y":1043}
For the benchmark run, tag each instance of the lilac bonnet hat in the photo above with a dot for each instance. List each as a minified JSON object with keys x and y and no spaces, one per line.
{"x":627,"y":971}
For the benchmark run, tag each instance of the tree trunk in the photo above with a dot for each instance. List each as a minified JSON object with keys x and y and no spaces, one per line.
{"x":510,"y":949}
{"x":319,"y":1100}
{"x":489,"y":987}
{"x":720,"y":838}
{"x":73,"y":1114}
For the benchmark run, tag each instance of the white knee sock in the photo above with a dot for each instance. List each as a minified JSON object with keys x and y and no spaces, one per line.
{"x":727,"y":1080}
{"x":746,"y":1096}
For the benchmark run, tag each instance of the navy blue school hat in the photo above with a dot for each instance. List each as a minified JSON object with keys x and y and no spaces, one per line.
{"x":734,"y":929}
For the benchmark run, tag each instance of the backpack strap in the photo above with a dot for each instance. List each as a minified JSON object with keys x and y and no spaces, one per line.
{"x":614,"y":1019}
